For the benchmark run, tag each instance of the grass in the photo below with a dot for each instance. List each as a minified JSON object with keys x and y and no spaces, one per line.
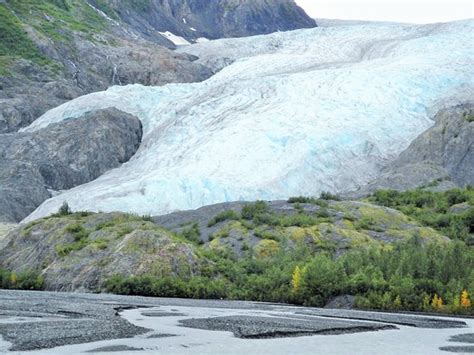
{"x":15,"y":43}
{"x":56,"y":20}
{"x":81,"y":240}
{"x":224,"y":216}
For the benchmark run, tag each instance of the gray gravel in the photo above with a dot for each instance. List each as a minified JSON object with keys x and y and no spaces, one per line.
{"x":271,"y":327}
{"x":394,"y":318}
{"x":463,"y":338}
{"x":39,"y":320}
{"x":458,"y":349}
{"x":114,"y":348}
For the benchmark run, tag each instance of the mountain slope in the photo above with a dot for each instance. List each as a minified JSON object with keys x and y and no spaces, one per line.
{"x":52,"y":51}
{"x":444,"y":153}
{"x":198,"y":19}
{"x":61,"y":157}
{"x":296,"y":113}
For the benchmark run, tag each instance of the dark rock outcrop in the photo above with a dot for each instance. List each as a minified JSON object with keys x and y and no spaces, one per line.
{"x":22,"y":189}
{"x":30,"y":89}
{"x":194,"y":19}
{"x":443,"y":155}
{"x":62,"y":156}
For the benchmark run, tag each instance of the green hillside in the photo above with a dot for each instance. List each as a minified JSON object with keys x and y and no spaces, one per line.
{"x":45,"y":21}
{"x":308,"y":255}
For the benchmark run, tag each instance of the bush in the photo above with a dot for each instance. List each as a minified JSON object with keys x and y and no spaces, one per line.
{"x":26,"y":280}
{"x":329,"y":196}
{"x":64,"y":210}
{"x":252,"y":210}
{"x":302,"y":199}
{"x":433,"y":209}
{"x":192,"y":234}
{"x":224,"y":216}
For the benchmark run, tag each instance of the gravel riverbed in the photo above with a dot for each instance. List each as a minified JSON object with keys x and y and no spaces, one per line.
{"x":52,"y":323}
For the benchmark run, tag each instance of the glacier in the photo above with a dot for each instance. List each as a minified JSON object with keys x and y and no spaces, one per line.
{"x":290,"y":113}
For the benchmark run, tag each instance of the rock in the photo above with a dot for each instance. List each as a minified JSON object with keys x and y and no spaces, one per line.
{"x":22,"y":189}
{"x":460,"y":208}
{"x":342,"y":302}
{"x":27,"y":94}
{"x":443,"y":155}
{"x":62,"y":156}
{"x":194,"y":19}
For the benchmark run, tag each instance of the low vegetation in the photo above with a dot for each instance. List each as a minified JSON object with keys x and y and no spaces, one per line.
{"x":27,"y":280}
{"x":56,"y":20}
{"x":409,"y":276}
{"x":321,"y":250}
{"x":450,"y":212}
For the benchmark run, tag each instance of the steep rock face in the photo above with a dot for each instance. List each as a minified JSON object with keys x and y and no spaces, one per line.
{"x":195,"y":19}
{"x":444,"y":153}
{"x":22,"y":189}
{"x":61,"y":157}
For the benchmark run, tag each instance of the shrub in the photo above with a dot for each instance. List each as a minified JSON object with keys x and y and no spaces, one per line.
{"x":302,"y":199}
{"x":433,"y":209}
{"x":64,"y":210}
{"x":192,"y":233}
{"x":25,"y":280}
{"x":329,"y":196}
{"x":147,"y":218}
{"x":251,"y":210}
{"x":224,"y":216}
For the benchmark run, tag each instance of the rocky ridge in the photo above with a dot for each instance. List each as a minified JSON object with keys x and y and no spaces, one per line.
{"x":441,"y":156}
{"x":198,"y":20}
{"x":35,"y":165}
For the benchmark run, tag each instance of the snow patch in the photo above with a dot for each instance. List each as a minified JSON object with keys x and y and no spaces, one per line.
{"x":177,"y":40}
{"x":202,"y":40}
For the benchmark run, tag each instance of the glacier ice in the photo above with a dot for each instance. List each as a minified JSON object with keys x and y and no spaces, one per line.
{"x":291,"y":113}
